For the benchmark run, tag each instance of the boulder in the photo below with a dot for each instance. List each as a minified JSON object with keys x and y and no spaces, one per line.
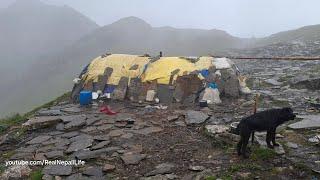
{"x":195,"y":117}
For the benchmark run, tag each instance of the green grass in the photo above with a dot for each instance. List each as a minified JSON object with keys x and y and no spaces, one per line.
{"x":240,"y":167}
{"x":36,"y":175}
{"x":259,"y":153}
{"x":2,"y":168}
{"x":11,"y":121}
{"x":280,"y":103}
{"x":7,"y":155}
{"x":210,"y":178}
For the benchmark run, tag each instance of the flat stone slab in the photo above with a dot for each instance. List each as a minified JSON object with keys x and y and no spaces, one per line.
{"x":57,"y":170}
{"x":309,"y":121}
{"x":93,"y":171}
{"x":79,"y":145}
{"x":70,"y":134}
{"x":195,"y":117}
{"x":39,"y":139}
{"x":75,"y":124}
{"x":273,"y":82}
{"x":52,"y":112}
{"x":101,"y":137}
{"x":132,"y":158}
{"x":87,"y":154}
{"x":164,"y":168}
{"x":148,"y":130}
{"x":71,"y":110}
{"x":101,"y":145}
{"x":42,"y":121}
{"x":70,"y":118}
{"x":116,"y":133}
{"x":54,"y":154}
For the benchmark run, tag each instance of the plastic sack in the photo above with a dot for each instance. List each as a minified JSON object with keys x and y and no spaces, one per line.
{"x":212,"y":96}
{"x":243,"y":85}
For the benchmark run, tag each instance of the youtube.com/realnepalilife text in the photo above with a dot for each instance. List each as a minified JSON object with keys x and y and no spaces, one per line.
{"x":45,"y":163}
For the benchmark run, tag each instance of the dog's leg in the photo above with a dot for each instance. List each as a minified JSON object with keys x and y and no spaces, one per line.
{"x":239,"y":145}
{"x":268,"y":139}
{"x":274,"y":138}
{"x":252,"y":137}
{"x":246,"y":138}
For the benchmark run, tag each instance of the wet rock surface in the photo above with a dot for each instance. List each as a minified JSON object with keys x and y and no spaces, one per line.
{"x":178,"y":142}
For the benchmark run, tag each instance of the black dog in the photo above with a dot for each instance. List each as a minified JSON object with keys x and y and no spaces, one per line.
{"x":262,"y":121}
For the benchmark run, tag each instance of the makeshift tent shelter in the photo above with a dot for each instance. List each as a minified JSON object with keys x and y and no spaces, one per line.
{"x":180,"y":79}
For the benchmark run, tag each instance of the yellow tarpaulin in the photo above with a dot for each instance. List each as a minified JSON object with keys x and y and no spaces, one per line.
{"x":120,"y":63}
{"x":161,"y":69}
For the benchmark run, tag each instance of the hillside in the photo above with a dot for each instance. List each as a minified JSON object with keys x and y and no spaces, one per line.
{"x":303,"y":34}
{"x":29,"y":30}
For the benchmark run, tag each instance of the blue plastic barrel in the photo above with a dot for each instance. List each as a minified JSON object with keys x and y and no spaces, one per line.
{"x":85,"y":97}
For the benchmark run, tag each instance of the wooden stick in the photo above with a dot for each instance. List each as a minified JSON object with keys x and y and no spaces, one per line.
{"x":296,"y":58}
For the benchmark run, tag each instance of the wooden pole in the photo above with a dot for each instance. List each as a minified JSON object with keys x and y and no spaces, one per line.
{"x":296,"y":58}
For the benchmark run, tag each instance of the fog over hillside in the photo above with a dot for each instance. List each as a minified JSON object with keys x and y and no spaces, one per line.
{"x":43,"y":47}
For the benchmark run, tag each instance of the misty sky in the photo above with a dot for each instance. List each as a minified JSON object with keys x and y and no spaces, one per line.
{"x":243,"y":18}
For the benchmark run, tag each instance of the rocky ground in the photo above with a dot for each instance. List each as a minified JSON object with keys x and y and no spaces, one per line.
{"x":176,"y":142}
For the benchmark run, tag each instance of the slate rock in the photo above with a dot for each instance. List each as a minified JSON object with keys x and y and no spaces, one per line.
{"x":57,"y":170}
{"x":71,"y":110}
{"x":101,"y":137}
{"x":292,"y":145}
{"x":148,"y":130}
{"x":87,"y":154}
{"x":52,"y":112}
{"x":109,"y":168}
{"x":195,"y":117}
{"x":70,"y":134}
{"x":75,"y":124}
{"x":309,"y":121}
{"x":60,"y":127}
{"x":101,"y":145}
{"x":132,"y":158}
{"x":70,"y":118}
{"x":24,"y":156}
{"x":93,"y":171}
{"x":116,"y":133}
{"x":104,"y":127}
{"x":164,"y":168}
{"x":172,"y":118}
{"x":273,"y":82}
{"x":77,"y":176}
{"x":196,"y":168}
{"x":79,"y":145}
{"x":39,"y":139}
{"x":54,"y":154}
{"x":42,"y":121}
